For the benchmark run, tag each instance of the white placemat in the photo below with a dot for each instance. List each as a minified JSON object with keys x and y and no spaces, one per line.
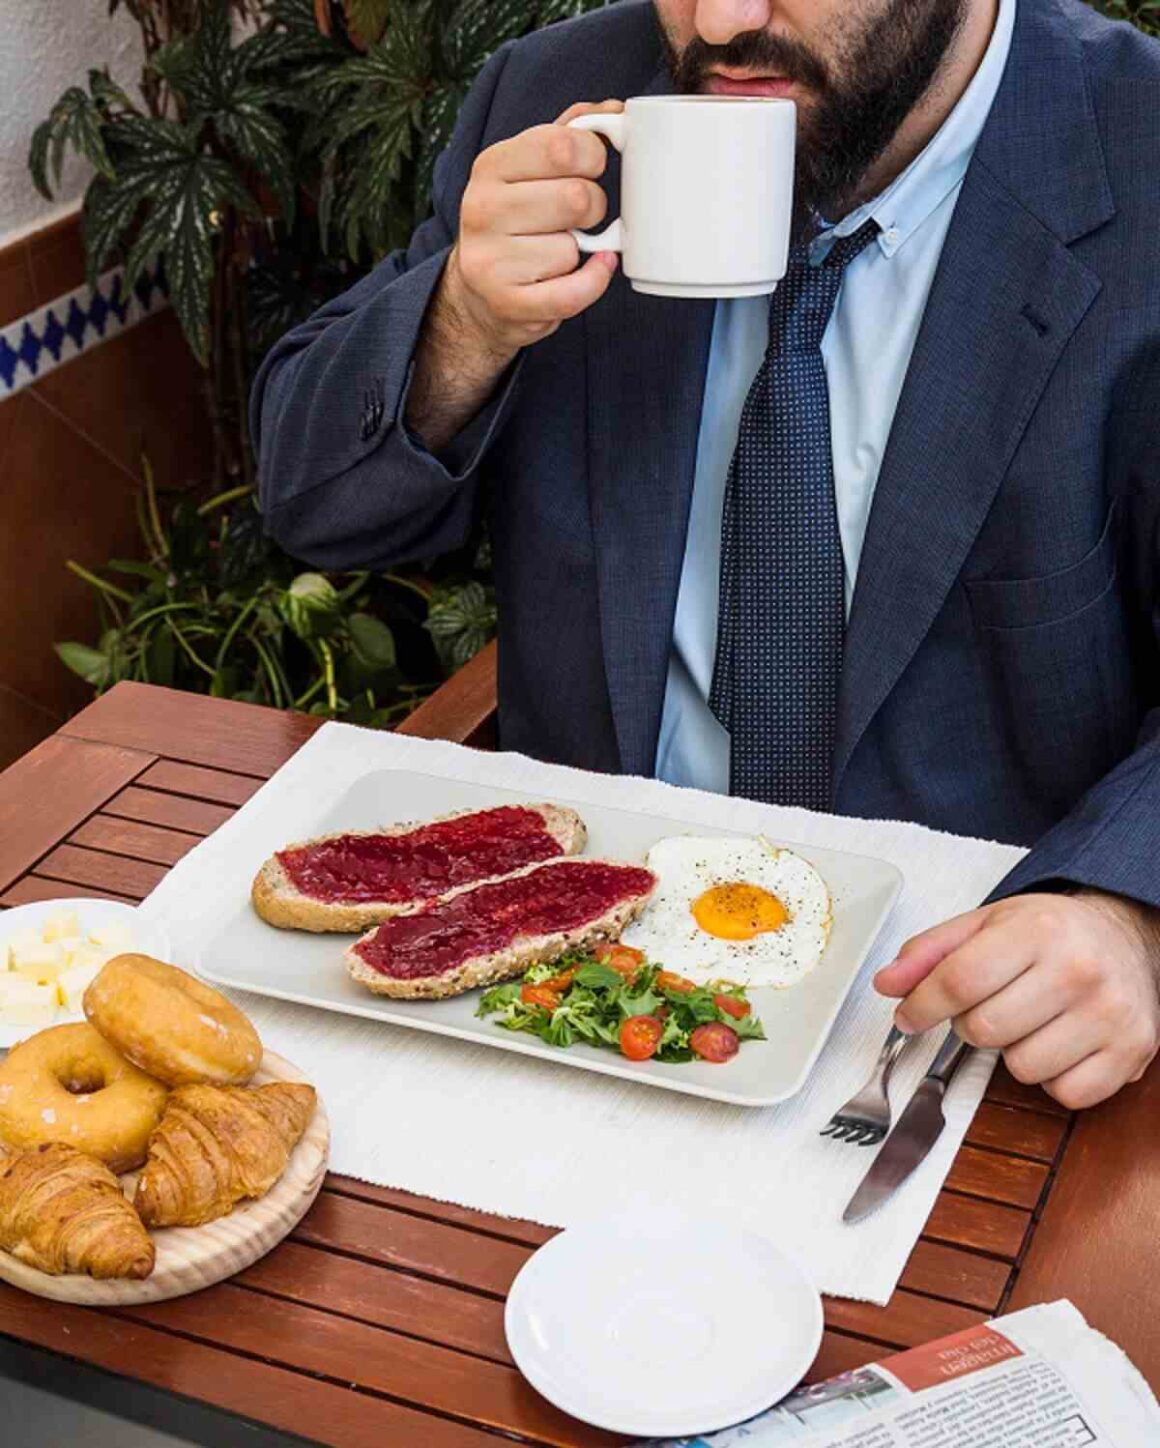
{"x":522,"y":1138}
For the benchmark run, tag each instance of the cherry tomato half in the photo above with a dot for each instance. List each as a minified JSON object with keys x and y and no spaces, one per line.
{"x":732,"y":1006}
{"x":639,"y":1037}
{"x":560,"y":983}
{"x":539,"y":995}
{"x":622,"y":959}
{"x":666,"y":980}
{"x":715,"y":1042}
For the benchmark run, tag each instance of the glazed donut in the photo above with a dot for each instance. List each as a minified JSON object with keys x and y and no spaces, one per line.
{"x":69,"y":1084}
{"x":173,"y":1026}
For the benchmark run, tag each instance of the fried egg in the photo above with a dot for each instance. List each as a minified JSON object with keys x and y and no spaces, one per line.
{"x":733,"y":909}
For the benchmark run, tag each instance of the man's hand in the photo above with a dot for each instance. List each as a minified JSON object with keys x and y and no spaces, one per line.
{"x":512,"y":276}
{"x":1068,"y":986}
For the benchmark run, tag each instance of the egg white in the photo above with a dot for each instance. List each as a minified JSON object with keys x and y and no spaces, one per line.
{"x":687,"y":866}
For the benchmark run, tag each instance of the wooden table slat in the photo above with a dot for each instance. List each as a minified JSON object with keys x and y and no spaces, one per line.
{"x":421,"y":1374}
{"x":957,"y":1275}
{"x":997,"y":1177}
{"x":133,"y":839}
{"x":33,"y":888}
{"x":73,"y":865}
{"x":985,"y":1226}
{"x":513,"y":1229}
{"x":198,"y":782}
{"x":908,"y":1320}
{"x":445,"y":1253}
{"x":51,"y":790}
{"x":321,"y":1411}
{"x":170,"y":811}
{"x":382,"y":1297}
{"x":840,"y":1353}
{"x":1021,"y":1132}
{"x":193,"y":728}
{"x":1005,"y":1090}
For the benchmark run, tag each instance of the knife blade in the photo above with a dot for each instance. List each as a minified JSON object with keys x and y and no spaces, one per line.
{"x":918,"y":1128}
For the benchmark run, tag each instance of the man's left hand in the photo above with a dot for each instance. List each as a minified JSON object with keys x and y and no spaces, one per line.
{"x":1067,"y":986}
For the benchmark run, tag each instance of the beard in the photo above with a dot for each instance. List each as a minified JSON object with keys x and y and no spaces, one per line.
{"x":857,"y":99}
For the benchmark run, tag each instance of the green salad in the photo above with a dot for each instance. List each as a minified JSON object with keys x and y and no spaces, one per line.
{"x":615,"y":998}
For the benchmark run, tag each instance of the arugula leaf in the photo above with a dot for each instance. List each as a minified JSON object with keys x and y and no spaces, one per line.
{"x":598,"y":977}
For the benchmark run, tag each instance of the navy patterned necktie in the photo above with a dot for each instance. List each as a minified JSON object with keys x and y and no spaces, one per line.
{"x":782,"y":605}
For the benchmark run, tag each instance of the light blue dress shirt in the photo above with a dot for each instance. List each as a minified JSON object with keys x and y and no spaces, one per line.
{"x":866,"y":349}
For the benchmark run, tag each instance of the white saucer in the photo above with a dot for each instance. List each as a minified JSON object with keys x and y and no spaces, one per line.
{"x":149,"y":940}
{"x":662,"y":1329}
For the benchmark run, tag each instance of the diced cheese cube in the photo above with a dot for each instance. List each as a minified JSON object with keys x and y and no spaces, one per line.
{"x":114,"y":935}
{"x":27,"y":939}
{"x":71,"y":985}
{"x":90,"y":957}
{"x":69,"y":945}
{"x":41,"y":962}
{"x":56,"y":927}
{"x":26,"y":1003}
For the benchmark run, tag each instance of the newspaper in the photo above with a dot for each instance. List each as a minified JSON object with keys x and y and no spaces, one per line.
{"x":1040,"y":1378}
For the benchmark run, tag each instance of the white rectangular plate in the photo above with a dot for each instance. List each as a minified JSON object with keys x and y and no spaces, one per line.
{"x":296,"y":966}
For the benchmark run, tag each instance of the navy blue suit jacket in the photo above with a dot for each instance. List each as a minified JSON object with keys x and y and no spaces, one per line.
{"x":1001,"y":672}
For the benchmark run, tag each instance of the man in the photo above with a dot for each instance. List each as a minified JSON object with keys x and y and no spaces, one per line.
{"x":978,"y":252}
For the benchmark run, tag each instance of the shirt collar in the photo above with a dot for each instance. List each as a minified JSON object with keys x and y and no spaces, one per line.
{"x":934,"y":173}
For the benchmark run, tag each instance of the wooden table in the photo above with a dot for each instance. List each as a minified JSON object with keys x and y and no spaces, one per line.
{"x":380,"y":1321}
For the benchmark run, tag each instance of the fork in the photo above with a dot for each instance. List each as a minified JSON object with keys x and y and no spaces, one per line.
{"x":865,"y":1118}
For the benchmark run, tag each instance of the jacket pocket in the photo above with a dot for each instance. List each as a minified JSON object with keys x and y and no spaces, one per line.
{"x":1027,"y":602}
{"x":1056,"y":653}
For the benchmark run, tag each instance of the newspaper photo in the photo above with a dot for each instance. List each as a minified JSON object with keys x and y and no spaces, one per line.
{"x":1040,"y":1378}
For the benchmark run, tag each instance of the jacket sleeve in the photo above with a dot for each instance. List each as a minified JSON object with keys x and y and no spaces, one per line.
{"x":342,"y":483}
{"x":1111,"y":839}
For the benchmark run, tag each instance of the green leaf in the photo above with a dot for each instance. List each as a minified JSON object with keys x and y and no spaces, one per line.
{"x":182,"y":190}
{"x":310,"y":606}
{"x":460,"y":621}
{"x":250,"y":127}
{"x":366,"y":19}
{"x":372,"y":641}
{"x":91,"y":665}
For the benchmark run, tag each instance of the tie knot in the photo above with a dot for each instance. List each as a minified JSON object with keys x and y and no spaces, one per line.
{"x":846,"y":248}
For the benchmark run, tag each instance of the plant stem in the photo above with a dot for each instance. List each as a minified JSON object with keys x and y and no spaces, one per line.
{"x":238,"y":348}
{"x":232,"y":631}
{"x":305,"y":698}
{"x":194,"y":657}
{"x":109,"y":589}
{"x":222,"y":500}
{"x":401,"y":582}
{"x":160,"y":543}
{"x":331,"y":687}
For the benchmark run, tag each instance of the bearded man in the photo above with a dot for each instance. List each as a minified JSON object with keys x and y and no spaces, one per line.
{"x":985,"y":428}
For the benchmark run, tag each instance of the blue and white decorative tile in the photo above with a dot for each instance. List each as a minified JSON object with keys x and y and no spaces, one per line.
{"x":34,"y":345}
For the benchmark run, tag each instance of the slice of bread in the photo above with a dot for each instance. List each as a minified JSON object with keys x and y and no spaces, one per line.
{"x":496,"y":966}
{"x":279,"y":902}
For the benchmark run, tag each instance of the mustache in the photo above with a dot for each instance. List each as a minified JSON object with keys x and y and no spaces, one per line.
{"x":759,"y":50}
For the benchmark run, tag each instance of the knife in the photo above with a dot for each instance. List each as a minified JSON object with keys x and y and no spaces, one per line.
{"x":919,"y":1127}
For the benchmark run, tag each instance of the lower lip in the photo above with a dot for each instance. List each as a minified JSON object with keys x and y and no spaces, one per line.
{"x":766,"y":87}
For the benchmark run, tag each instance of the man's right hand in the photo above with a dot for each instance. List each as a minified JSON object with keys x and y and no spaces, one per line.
{"x":512,"y":276}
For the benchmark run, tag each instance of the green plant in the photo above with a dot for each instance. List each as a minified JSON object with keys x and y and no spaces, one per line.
{"x":272,"y":150}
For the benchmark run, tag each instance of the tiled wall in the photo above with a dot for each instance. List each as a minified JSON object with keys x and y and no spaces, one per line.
{"x":71,"y":440}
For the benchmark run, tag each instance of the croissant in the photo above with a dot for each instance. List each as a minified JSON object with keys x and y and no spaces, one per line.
{"x":217,"y":1145}
{"x":63,"y":1211}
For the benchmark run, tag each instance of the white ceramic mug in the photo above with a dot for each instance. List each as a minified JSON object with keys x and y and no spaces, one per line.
{"x":706,"y":193}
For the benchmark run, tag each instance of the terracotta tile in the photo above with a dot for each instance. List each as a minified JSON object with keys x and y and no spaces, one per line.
{"x":61,"y":499}
{"x":141,"y":389}
{"x":17,"y":297}
{"x":57,"y":258}
{"x":22,"y":725}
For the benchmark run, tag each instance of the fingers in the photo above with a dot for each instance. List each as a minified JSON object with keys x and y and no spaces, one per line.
{"x":528,"y":208}
{"x":562,"y":297}
{"x":541,"y":154}
{"x":919,"y":956}
{"x":587,"y":108}
{"x":1093,"y":1080}
{"x":990,"y":960}
{"x":1055,"y":1048}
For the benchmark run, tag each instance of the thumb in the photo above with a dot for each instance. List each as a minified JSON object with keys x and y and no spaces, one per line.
{"x":921,"y":953}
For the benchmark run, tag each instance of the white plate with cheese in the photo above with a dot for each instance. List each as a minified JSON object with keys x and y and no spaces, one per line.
{"x":51,"y":950}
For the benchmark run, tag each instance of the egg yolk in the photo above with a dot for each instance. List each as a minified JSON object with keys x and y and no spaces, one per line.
{"x":738,"y":911}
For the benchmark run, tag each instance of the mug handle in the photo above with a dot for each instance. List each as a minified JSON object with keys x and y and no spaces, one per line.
{"x":614,"y":126}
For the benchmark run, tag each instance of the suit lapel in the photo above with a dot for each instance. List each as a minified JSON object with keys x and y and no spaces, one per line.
{"x":646,"y":361}
{"x":1007,"y":296}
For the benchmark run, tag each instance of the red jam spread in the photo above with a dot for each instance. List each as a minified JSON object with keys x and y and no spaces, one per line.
{"x":424,"y":862}
{"x":493,"y":917}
